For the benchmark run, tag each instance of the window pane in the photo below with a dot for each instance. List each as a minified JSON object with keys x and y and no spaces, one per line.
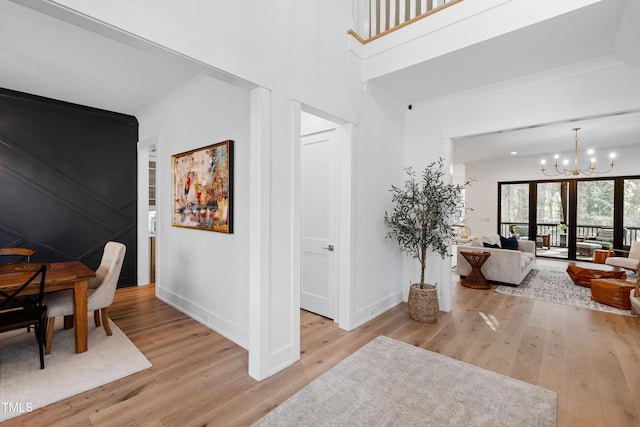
{"x":550,"y":203}
{"x":595,"y":206}
{"x":631,"y":210}
{"x":514,"y":206}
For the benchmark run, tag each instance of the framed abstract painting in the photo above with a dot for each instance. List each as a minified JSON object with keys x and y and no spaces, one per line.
{"x":203,"y":188}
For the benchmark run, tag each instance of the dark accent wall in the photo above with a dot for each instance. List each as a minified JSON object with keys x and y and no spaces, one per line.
{"x":68,"y":180}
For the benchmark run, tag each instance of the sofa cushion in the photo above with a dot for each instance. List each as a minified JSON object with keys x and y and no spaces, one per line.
{"x":489,"y":245}
{"x":525,"y":259}
{"x":492,"y":239}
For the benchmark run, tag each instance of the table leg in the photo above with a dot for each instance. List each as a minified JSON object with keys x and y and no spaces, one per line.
{"x":475,"y":280}
{"x":80,"y":315}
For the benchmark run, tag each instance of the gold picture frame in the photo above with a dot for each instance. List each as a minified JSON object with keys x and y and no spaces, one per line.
{"x":203,"y":188}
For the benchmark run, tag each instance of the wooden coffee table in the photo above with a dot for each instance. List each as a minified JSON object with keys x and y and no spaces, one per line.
{"x":582,"y":275}
{"x":612,"y":292}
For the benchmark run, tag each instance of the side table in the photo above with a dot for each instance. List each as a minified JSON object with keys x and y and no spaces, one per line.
{"x":600,"y":255}
{"x":546,"y":240}
{"x":475,"y":279}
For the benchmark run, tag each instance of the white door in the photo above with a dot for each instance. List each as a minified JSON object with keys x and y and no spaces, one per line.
{"x":317,"y":290}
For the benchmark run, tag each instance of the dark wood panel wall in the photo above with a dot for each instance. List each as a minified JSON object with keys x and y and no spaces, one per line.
{"x":68,"y":180}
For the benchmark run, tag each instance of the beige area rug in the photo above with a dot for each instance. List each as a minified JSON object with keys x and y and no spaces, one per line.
{"x":25,"y":387}
{"x":552,"y":283}
{"x":391,"y":383}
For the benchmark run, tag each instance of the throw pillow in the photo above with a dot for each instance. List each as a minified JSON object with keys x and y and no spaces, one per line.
{"x":494,"y":239}
{"x":489,"y":245}
{"x":509,"y":243}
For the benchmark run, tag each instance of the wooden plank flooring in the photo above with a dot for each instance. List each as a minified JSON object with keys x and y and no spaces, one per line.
{"x":591,"y":359}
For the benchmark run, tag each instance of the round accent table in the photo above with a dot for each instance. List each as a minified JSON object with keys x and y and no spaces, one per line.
{"x":600,"y":256}
{"x":475,"y":279}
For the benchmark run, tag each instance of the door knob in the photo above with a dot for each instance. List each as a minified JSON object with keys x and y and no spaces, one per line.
{"x":329,"y":248}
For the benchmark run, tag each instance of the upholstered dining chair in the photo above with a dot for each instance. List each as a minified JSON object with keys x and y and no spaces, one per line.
{"x":629,"y":262}
{"x":101,"y":291}
{"x":17,"y":307}
{"x":24,"y":254}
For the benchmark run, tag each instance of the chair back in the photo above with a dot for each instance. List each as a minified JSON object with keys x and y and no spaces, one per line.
{"x":21,"y":303}
{"x":605,"y":235}
{"x":107,"y":275}
{"x":521,"y":230}
{"x":634,"y":251}
{"x":24,"y":254}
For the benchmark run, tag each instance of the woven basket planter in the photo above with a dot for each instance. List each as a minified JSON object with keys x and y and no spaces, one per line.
{"x":423,"y":303}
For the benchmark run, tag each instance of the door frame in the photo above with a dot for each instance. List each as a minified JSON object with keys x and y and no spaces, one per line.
{"x":344,"y":207}
{"x":144,"y":247}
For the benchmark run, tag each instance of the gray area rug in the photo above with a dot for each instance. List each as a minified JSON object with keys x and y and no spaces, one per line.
{"x":553,"y":284}
{"x":24,"y":387}
{"x":390,"y":383}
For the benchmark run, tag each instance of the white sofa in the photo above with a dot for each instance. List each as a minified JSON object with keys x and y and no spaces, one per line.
{"x":504,"y":266}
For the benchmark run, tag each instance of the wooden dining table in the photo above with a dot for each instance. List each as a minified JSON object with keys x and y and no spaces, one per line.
{"x":61,"y":276}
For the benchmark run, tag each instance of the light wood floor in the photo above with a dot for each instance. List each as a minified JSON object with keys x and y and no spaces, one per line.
{"x":591,"y":359}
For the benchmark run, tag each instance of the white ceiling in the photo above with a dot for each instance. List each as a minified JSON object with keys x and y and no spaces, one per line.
{"x":46,"y":56}
{"x":603,"y":134}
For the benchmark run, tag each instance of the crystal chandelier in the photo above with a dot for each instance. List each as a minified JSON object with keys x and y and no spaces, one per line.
{"x":589,"y":170}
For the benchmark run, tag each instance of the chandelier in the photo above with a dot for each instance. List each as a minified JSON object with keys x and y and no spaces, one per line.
{"x":589,"y":170}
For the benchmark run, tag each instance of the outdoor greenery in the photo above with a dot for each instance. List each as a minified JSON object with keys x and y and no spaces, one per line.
{"x":515,"y":203}
{"x":632,"y":202}
{"x":550,"y":205}
{"x":595,"y":203}
{"x":424,"y":211}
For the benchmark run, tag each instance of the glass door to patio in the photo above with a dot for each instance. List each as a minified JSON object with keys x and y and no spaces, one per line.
{"x":575,"y":219}
{"x":594,"y":217}
{"x":553,"y":219}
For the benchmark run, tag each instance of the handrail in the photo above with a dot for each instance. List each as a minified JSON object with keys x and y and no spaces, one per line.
{"x":632,"y":233}
{"x":402,"y":24}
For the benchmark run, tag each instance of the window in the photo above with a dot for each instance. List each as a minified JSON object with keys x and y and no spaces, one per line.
{"x":572,"y":218}
{"x":631,"y":211}
{"x":514,"y":205}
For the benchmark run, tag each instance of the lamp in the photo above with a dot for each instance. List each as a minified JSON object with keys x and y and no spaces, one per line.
{"x":591,"y":169}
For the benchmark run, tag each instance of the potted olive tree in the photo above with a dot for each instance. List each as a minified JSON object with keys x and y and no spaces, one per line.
{"x":424,"y":211}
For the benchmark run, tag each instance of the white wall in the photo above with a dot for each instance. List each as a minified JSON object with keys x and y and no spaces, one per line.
{"x":377,"y":263}
{"x":203,"y":273}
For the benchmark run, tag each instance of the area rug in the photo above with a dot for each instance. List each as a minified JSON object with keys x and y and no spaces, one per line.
{"x":553,"y":284}
{"x":392,"y":383}
{"x":25,"y":387}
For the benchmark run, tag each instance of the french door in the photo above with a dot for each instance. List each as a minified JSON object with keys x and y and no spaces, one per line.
{"x":572,"y":219}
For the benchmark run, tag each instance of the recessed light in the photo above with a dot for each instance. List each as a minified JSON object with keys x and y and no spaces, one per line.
{"x":513,"y":153}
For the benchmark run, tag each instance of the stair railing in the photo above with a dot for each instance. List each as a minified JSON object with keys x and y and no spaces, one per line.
{"x":380,"y":17}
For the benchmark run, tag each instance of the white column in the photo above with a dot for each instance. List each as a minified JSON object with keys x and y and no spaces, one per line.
{"x":259,"y":236}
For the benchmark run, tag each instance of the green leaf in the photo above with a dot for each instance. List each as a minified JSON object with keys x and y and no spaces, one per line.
{"x":423,"y":213}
